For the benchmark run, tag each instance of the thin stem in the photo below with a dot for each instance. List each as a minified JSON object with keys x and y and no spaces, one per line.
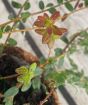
{"x":1,"y":95}
{"x":47,"y":97}
{"x":49,"y":52}
{"x":15,"y":22}
{"x":76,"y":5}
{"x":22,"y":30}
{"x":8,"y":22}
{"x":36,"y":13}
{"x":9,"y":77}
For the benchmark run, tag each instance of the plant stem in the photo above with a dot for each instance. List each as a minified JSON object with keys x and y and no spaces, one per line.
{"x":76,"y":5}
{"x":8,"y":22}
{"x":52,"y":91}
{"x":56,"y":98}
{"x":15,"y":22}
{"x":47,"y":97}
{"x":23,"y":30}
{"x":9,"y":77}
{"x":1,"y":95}
{"x":36,"y":13}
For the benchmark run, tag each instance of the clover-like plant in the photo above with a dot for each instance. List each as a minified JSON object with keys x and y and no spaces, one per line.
{"x":41,"y":73}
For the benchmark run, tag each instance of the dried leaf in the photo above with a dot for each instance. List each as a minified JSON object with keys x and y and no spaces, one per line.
{"x":64,"y":17}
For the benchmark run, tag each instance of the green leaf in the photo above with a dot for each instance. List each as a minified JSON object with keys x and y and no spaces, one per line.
{"x":60,"y":1}
{"x":72,"y":48}
{"x":1,"y":33}
{"x":61,"y":61}
{"x":27,"y":6}
{"x":58,"y":51}
{"x":86,"y":2}
{"x":49,"y":67}
{"x":63,"y":38}
{"x":42,"y":60}
{"x":41,"y":5}
{"x":84,"y":34}
{"x":75,"y":77}
{"x":59,"y":78}
{"x":26,"y":75}
{"x":22,"y":70}
{"x":86,"y":50}
{"x":49,"y":5}
{"x":25,"y":87}
{"x":74,"y":66}
{"x":83,"y":41}
{"x":7,"y":28}
{"x":16,"y":4}
{"x":69,"y":6}
{"x":11,"y":92}
{"x":25,"y":15}
{"x":38,"y":71}
{"x":36,"y":83}
{"x":8,"y":101}
{"x":32,"y":67}
{"x":51,"y":9}
{"x":12,"y":42}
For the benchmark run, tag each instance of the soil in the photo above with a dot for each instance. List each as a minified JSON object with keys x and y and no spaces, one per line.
{"x":8,"y":64}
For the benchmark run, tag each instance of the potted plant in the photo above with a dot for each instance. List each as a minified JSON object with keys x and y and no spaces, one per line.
{"x":28,"y":80}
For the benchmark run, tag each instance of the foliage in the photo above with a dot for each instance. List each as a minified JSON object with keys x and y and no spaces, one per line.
{"x":51,"y":69}
{"x":51,"y":9}
{"x":16,"y":4}
{"x":27,"y":5}
{"x":12,"y":42}
{"x":26,"y":75}
{"x":41,"y":5}
{"x":0,"y":33}
{"x":25,"y":15}
{"x":9,"y":95}
{"x":69,"y":6}
{"x":49,"y":31}
{"x":60,"y":1}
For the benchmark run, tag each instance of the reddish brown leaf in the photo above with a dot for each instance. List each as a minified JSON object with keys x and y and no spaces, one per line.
{"x":46,"y":15}
{"x":39,"y":24}
{"x":49,"y":28}
{"x":59,"y":31}
{"x":40,"y":31}
{"x":55,"y":16}
{"x":64,"y":17}
{"x":41,"y":18}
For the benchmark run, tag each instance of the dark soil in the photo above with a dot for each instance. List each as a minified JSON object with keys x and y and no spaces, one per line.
{"x":8,"y":64}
